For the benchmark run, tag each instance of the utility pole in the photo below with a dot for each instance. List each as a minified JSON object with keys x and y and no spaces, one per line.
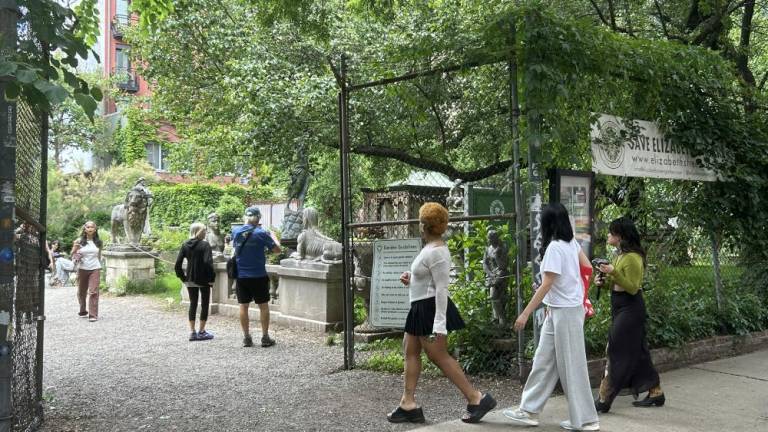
{"x":9,"y":16}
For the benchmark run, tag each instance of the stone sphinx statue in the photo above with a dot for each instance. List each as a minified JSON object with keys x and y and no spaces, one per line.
{"x":133,"y":215}
{"x":496,"y":267}
{"x":214,"y":236}
{"x":313,"y":245}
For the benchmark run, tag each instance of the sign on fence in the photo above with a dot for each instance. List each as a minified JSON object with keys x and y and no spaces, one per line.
{"x":641,"y":151}
{"x":389,"y":298}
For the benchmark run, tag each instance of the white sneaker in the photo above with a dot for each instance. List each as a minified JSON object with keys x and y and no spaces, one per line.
{"x":565,"y":424}
{"x":521,"y":417}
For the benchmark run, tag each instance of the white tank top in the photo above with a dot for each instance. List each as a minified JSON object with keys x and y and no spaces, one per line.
{"x":90,"y":256}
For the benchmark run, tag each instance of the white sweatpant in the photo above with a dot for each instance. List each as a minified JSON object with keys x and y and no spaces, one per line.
{"x":561,"y":354}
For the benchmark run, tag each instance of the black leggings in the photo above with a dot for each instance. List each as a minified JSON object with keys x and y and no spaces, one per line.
{"x":206,"y":300}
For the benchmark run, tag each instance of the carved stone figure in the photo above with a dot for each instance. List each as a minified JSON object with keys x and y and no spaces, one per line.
{"x":362,"y":256}
{"x":314,"y":245}
{"x":496,"y":267}
{"x":214,"y":236}
{"x":455,"y":198}
{"x":297,"y":192}
{"x":133,"y":214}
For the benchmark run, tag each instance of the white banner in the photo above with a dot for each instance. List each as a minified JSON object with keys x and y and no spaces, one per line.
{"x":616,"y":150}
{"x":390,"y":301}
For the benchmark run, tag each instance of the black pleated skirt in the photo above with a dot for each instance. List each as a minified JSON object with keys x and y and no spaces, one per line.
{"x":421,"y":317}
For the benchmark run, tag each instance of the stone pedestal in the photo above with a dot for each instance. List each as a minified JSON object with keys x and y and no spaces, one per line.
{"x":311,"y":295}
{"x":135,"y":265}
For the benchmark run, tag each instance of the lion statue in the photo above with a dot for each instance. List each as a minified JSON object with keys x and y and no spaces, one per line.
{"x":132,"y":215}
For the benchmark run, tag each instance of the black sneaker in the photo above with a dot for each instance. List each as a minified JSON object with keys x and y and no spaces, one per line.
{"x":82,"y":314}
{"x":400,"y":415}
{"x":267,"y":341}
{"x":247,"y":341}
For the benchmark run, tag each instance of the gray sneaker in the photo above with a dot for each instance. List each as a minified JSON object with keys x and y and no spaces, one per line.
{"x":521,"y":417}
{"x":247,"y":341}
{"x":565,"y":424}
{"x":267,"y":341}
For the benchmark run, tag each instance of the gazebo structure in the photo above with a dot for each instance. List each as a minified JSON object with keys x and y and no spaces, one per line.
{"x":401,"y":200}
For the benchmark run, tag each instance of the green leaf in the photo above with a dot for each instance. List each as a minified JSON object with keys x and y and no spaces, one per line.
{"x":56,"y":94}
{"x":26,"y":76}
{"x":87,"y":103}
{"x":96,"y":93}
{"x":12,"y":90}
{"x":70,"y":79}
{"x":7,"y":68}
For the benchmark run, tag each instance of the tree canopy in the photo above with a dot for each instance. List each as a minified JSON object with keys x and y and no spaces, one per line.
{"x":40,"y":78}
{"x":252,"y":81}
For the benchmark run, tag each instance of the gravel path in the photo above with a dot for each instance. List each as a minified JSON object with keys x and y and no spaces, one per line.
{"x":134,"y":370}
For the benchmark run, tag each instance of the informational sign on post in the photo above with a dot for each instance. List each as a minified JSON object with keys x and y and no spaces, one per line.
{"x":389,"y":297}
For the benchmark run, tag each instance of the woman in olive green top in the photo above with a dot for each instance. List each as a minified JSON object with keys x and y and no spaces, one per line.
{"x":629,"y":359}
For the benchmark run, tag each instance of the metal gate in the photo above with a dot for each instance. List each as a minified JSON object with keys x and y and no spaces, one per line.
{"x":23,"y":254}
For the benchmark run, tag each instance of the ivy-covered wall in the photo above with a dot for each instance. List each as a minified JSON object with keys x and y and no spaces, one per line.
{"x":182,"y":204}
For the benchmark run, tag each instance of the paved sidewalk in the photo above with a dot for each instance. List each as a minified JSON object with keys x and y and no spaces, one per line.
{"x":724,"y":395}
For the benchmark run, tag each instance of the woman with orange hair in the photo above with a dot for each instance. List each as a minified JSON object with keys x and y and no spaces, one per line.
{"x":431,"y":317}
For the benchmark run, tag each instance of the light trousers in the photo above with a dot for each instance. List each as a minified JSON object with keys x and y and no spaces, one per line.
{"x":561,"y":355}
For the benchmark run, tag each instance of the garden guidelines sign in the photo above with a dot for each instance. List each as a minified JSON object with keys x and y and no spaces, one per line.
{"x":390,"y":300}
{"x":637,"y":148}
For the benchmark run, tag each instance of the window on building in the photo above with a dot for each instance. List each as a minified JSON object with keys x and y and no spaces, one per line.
{"x":122,"y":61}
{"x":121,"y":13}
{"x":157,"y":156}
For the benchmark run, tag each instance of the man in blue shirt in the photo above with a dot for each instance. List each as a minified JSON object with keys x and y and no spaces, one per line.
{"x":250,"y":243}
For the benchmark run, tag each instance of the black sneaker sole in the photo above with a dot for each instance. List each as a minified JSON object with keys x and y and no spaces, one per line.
{"x":267,"y":344}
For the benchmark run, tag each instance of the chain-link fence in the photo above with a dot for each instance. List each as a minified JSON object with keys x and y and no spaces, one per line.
{"x":26,"y":284}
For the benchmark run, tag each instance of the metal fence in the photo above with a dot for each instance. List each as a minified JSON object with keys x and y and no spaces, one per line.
{"x":22,"y":284}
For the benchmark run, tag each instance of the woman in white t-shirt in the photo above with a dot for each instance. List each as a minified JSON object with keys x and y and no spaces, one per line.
{"x":431,"y":317}
{"x":87,"y":251}
{"x":561,"y":354}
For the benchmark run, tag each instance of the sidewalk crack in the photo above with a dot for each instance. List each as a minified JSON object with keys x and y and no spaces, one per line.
{"x":729,"y":373}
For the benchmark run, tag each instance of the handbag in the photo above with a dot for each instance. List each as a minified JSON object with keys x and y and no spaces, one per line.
{"x":76,"y":258}
{"x":586,"y":274}
{"x":232,"y":261}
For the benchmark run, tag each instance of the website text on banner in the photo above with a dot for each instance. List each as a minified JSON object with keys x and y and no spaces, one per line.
{"x":641,"y":150}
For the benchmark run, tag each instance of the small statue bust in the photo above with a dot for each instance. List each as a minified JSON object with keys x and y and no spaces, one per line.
{"x":214,"y":237}
{"x":496,"y":267}
{"x":314,"y":245}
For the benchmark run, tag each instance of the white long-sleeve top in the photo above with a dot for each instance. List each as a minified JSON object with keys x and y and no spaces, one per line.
{"x":429,"y":278}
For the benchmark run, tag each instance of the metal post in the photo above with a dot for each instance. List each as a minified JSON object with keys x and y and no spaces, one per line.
{"x":349,"y":295}
{"x":9,"y":15}
{"x":44,"y":249}
{"x":534,"y":179}
{"x":716,"y":269}
{"x":514,"y":120}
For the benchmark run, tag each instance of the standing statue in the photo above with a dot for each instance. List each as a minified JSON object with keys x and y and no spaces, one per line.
{"x":214,"y":237}
{"x":314,"y":245}
{"x":133,"y":214}
{"x":297,"y":191}
{"x":496,"y":267}
{"x":455,"y":198}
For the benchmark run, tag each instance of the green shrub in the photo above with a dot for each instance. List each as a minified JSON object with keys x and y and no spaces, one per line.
{"x":230,"y":209}
{"x":182,"y":204}
{"x":169,"y":239}
{"x":386,"y":355}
